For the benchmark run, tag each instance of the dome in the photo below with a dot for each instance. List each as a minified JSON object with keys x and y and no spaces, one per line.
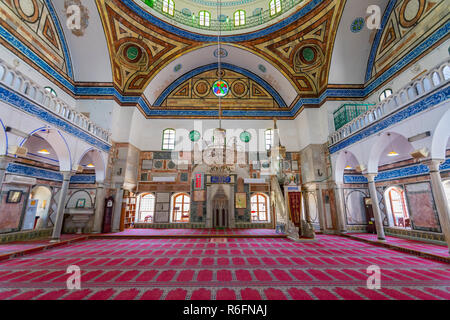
{"x":235,"y":16}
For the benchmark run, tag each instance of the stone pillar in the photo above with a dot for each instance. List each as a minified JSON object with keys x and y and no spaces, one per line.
{"x":4,"y":161}
{"x":117,"y":210}
{"x":338,"y":193}
{"x":56,"y":235}
{"x":376,"y":208}
{"x":307,"y":230}
{"x":440,"y":198}
{"x":99,"y":208}
{"x":320,"y":208}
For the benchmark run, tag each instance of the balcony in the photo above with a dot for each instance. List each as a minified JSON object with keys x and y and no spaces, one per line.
{"x":23,"y":85}
{"x":438,"y":77}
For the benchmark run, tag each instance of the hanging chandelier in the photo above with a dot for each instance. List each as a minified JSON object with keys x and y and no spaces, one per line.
{"x":220,"y":87}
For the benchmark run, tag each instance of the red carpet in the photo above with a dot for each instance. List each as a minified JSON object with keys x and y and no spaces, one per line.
{"x":331,"y":268}
{"x":431,"y":248}
{"x":11,"y":247}
{"x":194,"y":232}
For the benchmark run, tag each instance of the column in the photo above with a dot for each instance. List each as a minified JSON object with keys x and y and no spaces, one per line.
{"x":440,"y":198}
{"x":320,"y":208}
{"x":338,"y":193}
{"x":376,"y":209}
{"x":4,"y":161}
{"x":117,"y":210}
{"x":99,"y":208}
{"x":307,"y":229}
{"x":306,"y":202}
{"x":56,"y":235}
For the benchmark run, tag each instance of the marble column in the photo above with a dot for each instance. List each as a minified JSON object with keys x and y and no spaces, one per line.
{"x":376,"y":208}
{"x":338,"y":193}
{"x":320,"y":208}
{"x":117,"y":210}
{"x":307,"y":229}
{"x":440,"y":197}
{"x":305,"y":193}
{"x":99,"y":208}
{"x":56,"y":235}
{"x":4,"y":161}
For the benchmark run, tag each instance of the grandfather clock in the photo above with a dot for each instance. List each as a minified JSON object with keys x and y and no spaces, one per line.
{"x":107,"y":217}
{"x":369,"y":215}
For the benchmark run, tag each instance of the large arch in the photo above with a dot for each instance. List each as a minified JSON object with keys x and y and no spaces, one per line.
{"x":59,"y":144}
{"x":93,"y":156}
{"x":388,"y":140}
{"x":235,"y":56}
{"x":344,"y":159}
{"x":441,"y":136}
{"x":3,"y":139}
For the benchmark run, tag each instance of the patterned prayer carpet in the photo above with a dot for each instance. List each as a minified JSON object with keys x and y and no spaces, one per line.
{"x":20,"y":246}
{"x":431,"y":248}
{"x":333,"y":267}
{"x":195,"y":232}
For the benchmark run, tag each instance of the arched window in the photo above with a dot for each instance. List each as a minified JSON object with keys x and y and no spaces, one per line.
{"x":51,"y":91}
{"x":268,"y":136}
{"x":168,"y":141}
{"x":181,"y":206}
{"x":168,"y":6}
{"x":204,"y":17}
{"x":386,"y":93}
{"x":398,"y":208}
{"x":275,"y":7}
{"x":239,"y":18}
{"x":146,"y":207}
{"x":259,"y":207}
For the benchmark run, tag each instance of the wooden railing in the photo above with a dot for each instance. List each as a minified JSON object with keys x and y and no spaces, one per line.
{"x":23,"y":85}
{"x":436,"y":78}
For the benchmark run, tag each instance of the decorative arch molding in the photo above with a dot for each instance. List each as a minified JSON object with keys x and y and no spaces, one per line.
{"x":165,"y":94}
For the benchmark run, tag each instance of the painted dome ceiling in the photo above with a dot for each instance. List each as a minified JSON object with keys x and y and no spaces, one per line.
{"x":234,"y":16}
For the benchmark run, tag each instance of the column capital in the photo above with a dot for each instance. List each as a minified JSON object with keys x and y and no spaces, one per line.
{"x":67,"y":175}
{"x":308,"y":187}
{"x":4,"y":161}
{"x":370,"y":176}
{"x":433,"y":164}
{"x":101,"y":184}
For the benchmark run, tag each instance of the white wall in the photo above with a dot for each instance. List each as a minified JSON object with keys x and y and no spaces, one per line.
{"x":146,"y":134}
{"x":100,"y":111}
